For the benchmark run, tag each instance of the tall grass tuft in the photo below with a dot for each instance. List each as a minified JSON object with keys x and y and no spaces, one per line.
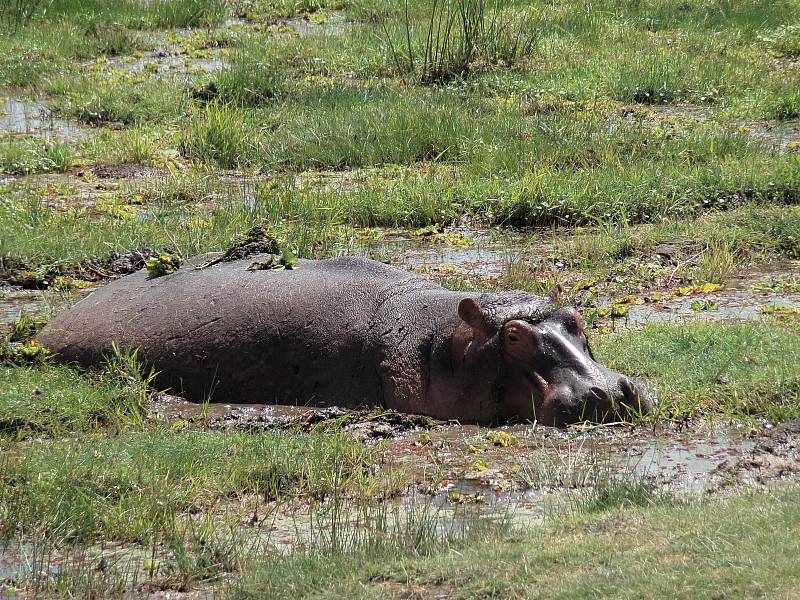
{"x":18,"y":13}
{"x":140,"y":15}
{"x":460,"y":35}
{"x":253,"y":78}
{"x":34,"y":156}
{"x":218,"y":135}
{"x":188,"y":13}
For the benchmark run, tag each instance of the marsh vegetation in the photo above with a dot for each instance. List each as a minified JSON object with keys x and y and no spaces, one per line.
{"x":642,"y":155}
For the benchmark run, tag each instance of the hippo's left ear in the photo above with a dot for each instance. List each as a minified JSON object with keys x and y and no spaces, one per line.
{"x":472,"y":314}
{"x":556,"y":293}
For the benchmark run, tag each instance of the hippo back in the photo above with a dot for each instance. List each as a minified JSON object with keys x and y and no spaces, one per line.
{"x":232,"y":335}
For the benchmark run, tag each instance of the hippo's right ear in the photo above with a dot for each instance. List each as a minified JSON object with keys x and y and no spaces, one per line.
{"x":472,"y":314}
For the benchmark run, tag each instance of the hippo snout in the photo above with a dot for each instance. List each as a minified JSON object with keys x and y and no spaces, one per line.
{"x":617,"y":399}
{"x":622,"y":399}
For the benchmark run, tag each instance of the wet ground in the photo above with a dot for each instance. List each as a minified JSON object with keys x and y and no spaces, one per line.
{"x":27,"y":117}
{"x":449,"y":474}
{"x":747,"y":296}
{"x":464,"y":251}
{"x":782,"y":136}
{"x":507,"y":463}
{"x":167,"y":62}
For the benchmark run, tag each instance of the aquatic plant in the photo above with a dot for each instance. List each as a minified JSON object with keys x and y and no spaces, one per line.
{"x":460,"y":34}
{"x":163,"y":264}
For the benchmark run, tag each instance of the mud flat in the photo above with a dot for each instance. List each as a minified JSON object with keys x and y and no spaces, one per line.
{"x":745,"y":297}
{"x":519,"y":464}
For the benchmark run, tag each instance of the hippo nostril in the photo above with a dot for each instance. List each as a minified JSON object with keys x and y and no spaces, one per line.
{"x":600,"y":394}
{"x":629,"y":392}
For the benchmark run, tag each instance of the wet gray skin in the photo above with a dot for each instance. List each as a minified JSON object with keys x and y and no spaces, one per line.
{"x":553,"y":378}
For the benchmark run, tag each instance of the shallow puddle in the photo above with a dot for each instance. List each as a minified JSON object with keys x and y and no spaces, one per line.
{"x":22,"y":117}
{"x":484,"y":253}
{"x":744,"y":298}
{"x":780,"y":136}
{"x":14,"y":303}
{"x":165,"y":64}
{"x":683,"y":462}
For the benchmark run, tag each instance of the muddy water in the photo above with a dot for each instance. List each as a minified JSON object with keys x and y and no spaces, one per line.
{"x":19,"y":561}
{"x":14,"y":303}
{"x":459,"y":475}
{"x":485,"y":254}
{"x":740,"y":300}
{"x":21,"y":117}
{"x":479,"y":253}
{"x":520,"y":474}
{"x":163,"y":64}
{"x":507,"y":464}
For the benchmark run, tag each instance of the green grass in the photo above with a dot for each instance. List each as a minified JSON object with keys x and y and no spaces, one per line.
{"x":320,"y":223}
{"x":161,"y":13}
{"x":660,"y":551}
{"x":255,"y":76}
{"x":350,"y":127}
{"x":712,"y":368}
{"x":124,"y":99}
{"x":782,"y":41}
{"x":723,"y":242}
{"x":218,"y":135}
{"x":54,"y":241}
{"x":53,"y":401}
{"x":36,"y":54}
{"x":461,"y":37}
{"x":134,"y":486}
{"x":31,"y":155}
{"x":260,"y":9}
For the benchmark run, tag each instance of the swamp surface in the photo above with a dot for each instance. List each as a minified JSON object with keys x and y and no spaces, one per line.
{"x":643,"y":157}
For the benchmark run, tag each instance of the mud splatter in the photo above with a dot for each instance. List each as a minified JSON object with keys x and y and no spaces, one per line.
{"x":368,"y":426}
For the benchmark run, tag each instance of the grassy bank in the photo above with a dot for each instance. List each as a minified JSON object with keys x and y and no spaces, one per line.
{"x":745,"y":370}
{"x":700,"y":549}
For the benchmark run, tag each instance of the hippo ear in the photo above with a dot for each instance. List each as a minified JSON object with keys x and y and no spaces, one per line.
{"x":472,"y":314}
{"x":556,"y":293}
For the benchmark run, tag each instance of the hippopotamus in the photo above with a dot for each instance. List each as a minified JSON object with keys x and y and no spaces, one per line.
{"x":350,"y":332}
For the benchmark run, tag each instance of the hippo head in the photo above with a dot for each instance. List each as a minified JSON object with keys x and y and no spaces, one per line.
{"x":548,"y":373}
